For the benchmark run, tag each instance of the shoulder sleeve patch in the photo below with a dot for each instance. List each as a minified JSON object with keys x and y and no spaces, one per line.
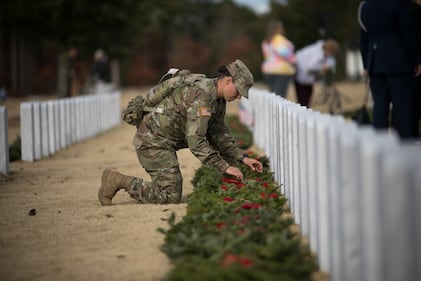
{"x":204,"y":112}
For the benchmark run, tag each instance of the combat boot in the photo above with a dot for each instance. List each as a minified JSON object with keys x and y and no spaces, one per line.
{"x":111,"y":182}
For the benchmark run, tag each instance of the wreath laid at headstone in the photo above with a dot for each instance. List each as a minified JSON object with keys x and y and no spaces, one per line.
{"x":236,"y":231}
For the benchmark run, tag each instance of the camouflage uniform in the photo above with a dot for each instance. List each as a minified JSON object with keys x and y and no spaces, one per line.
{"x":191,"y":117}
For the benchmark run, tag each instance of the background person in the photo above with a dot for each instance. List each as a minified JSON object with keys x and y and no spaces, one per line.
{"x":391,"y":60}
{"x":279,"y":59}
{"x":75,"y":73}
{"x":416,"y":9}
{"x":191,"y":117}
{"x":101,"y":69}
{"x":313,"y":61}
{"x":101,"y":72}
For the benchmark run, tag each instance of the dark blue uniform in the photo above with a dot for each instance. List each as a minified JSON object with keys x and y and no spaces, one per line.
{"x":389,"y":54}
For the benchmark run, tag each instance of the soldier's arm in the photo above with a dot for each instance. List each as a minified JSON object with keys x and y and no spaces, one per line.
{"x":221,"y":137}
{"x":224,"y":141}
{"x":198,"y":116}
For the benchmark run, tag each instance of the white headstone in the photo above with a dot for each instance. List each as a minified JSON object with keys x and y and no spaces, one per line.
{"x":4,"y":144}
{"x":27,"y":131}
{"x":45,"y":152}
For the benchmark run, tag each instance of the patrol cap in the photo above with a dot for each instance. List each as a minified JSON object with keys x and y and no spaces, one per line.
{"x":242,"y":77}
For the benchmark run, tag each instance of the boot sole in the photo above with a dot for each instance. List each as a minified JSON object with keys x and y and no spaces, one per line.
{"x":102,"y":199}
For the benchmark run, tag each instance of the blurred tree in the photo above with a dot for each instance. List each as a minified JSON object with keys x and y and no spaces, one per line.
{"x":27,"y":27}
{"x":149,"y":36}
{"x":195,"y":35}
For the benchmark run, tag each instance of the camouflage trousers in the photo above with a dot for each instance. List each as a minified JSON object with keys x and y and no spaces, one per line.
{"x":167,"y":181}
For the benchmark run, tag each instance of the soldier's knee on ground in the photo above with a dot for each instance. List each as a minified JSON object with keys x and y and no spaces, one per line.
{"x":165,"y":188}
{"x":158,"y":195}
{"x":169,"y":184}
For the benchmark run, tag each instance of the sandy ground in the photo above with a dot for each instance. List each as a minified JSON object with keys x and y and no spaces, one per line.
{"x":71,"y":237}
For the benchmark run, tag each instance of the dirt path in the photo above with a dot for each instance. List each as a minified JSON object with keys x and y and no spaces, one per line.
{"x":71,"y":237}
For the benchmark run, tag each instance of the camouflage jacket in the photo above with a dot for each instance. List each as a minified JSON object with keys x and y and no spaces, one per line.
{"x":191,"y":117}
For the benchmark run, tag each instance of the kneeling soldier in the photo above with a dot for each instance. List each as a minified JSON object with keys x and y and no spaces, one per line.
{"x":192,"y":116}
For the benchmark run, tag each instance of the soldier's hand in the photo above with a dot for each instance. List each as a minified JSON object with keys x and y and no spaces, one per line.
{"x":234,"y":171}
{"x":254,"y":164}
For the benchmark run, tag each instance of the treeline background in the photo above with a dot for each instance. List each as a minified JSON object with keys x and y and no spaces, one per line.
{"x":146,"y":37}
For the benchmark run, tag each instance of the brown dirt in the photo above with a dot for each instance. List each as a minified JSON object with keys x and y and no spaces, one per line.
{"x":71,"y":237}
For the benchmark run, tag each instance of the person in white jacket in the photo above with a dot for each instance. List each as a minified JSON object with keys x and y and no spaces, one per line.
{"x":312,"y":61}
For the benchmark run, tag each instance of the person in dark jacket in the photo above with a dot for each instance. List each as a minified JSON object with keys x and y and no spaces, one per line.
{"x":391,"y":60}
{"x":416,"y":9}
